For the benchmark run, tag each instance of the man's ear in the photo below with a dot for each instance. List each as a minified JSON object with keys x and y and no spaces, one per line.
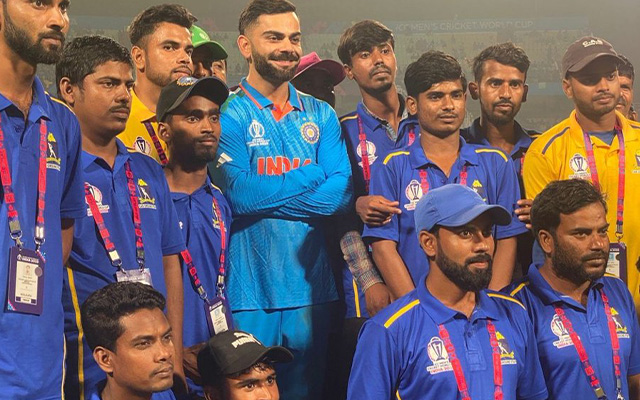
{"x":567,"y":89}
{"x":474,"y":91}
{"x":546,"y":241}
{"x":348,"y":71}
{"x":428,"y":243}
{"x":524,"y":94}
{"x":164,"y":132}
{"x":244,"y":45}
{"x":67,"y":91}
{"x":139,"y":57}
{"x":412,"y":105}
{"x":212,"y":393}
{"x":104,"y":358}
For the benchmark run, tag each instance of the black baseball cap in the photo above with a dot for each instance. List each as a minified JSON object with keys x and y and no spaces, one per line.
{"x":230,"y":352}
{"x":581,"y":52}
{"x":179,"y":90}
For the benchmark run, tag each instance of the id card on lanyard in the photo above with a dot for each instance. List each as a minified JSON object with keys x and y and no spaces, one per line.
{"x":617,"y":264}
{"x":25,"y":292}
{"x":142,"y":274}
{"x":216,"y":310}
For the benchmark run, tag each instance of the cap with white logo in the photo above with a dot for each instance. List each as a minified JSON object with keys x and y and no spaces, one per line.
{"x":583,"y":51}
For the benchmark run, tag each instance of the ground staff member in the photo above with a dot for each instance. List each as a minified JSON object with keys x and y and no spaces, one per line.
{"x":129,"y":230}
{"x":189,"y":122}
{"x":41,"y":195}
{"x":436,"y":88}
{"x":285,"y":169}
{"x":599,"y":144}
{"x":161,"y":51}
{"x":450,"y":338}
{"x":585,"y":321}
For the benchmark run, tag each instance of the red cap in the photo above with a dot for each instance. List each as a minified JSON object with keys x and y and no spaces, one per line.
{"x":312,"y":60}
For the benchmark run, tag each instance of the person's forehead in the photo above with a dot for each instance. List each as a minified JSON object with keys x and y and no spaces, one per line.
{"x":591,"y":215}
{"x":115,"y":69}
{"x":143,"y":322}
{"x":494,"y":68}
{"x":286,"y":23}
{"x":169,"y":31}
{"x":446,"y":86}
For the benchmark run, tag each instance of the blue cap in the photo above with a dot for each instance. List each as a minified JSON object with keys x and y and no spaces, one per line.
{"x":455,"y":205}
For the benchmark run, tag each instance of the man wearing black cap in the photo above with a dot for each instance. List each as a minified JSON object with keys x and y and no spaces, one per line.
{"x":234,"y":365}
{"x":206,"y":53}
{"x":189,"y":122}
{"x":595,"y":143}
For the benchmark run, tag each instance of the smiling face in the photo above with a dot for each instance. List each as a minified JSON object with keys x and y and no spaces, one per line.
{"x":595,"y":89}
{"x":440,"y":109}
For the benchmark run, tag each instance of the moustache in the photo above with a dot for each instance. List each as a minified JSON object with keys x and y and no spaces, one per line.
{"x":603,"y":96}
{"x":285,"y":57}
{"x":622,"y":101}
{"x":503,"y":102}
{"x":52,"y":35}
{"x":120,"y":108}
{"x":478,"y":259}
{"x":596,"y":255}
{"x":378,"y":69}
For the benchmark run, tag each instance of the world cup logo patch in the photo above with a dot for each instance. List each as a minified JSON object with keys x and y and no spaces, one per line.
{"x":310,"y":132}
{"x":438,"y":355}
{"x":413,"y":192}
{"x":142,"y":146}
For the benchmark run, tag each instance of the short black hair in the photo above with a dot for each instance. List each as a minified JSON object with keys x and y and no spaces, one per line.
{"x":103,"y":309}
{"x":505,"y":53}
{"x":256,"y":8}
{"x":625,"y":68}
{"x":562,"y":197}
{"x":432,"y":67}
{"x":145,"y":23}
{"x":363,"y":36}
{"x":82,"y":55}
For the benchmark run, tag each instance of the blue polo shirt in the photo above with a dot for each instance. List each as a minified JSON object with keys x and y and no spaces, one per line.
{"x":379,"y":144}
{"x":201,"y":231}
{"x":562,"y":368}
{"x":489,"y":172}
{"x":283,"y":172}
{"x":89,"y":267}
{"x":32,"y":355}
{"x":96,"y":394}
{"x":401,"y":355}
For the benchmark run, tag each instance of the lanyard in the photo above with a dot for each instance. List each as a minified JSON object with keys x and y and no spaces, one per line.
{"x":193,"y":272}
{"x":621,"y":174}
{"x":156,"y":143}
{"x":116,"y":261}
{"x":9,"y":195}
{"x":582,"y":353}
{"x":457,"y":366}
{"x":137,"y":223}
{"x":364,"y":154}
{"x":424,"y":183}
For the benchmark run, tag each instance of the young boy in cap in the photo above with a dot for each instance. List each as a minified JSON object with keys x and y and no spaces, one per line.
{"x":235,"y":365}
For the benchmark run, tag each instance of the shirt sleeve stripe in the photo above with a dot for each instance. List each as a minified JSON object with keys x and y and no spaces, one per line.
{"x":518,"y":288}
{"x":398,"y":395}
{"x":76,"y":310}
{"x":63,"y":103}
{"x":546,"y":146}
{"x":501,"y":296}
{"x":391,"y":155}
{"x":493,"y":151}
{"x":348,"y":117}
{"x":401,"y":312}
{"x":356,"y":299}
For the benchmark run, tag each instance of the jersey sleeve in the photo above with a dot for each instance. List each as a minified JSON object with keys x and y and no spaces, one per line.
{"x":334,"y":195}
{"x":537,"y":173}
{"x":72,"y":204}
{"x":249,"y":193}
{"x":376,"y":365}
{"x":508,"y":194}
{"x":634,"y":334}
{"x":531,"y":383}
{"x":172,"y":238}
{"x":384,"y":182}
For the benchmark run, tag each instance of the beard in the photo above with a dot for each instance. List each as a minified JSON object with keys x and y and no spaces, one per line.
{"x":499,"y":118}
{"x":567,"y":265}
{"x":462,"y":275}
{"x":272,"y":74}
{"x":32,"y":52}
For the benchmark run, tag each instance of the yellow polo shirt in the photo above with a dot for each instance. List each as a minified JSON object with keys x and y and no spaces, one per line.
{"x":560,"y":154}
{"x":135,"y":135}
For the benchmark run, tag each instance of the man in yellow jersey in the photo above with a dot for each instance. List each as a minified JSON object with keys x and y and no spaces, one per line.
{"x":595,"y":143}
{"x":161,"y":53}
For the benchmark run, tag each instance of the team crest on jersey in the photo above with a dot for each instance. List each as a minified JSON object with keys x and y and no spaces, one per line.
{"x":413,"y":191}
{"x":145,"y":199}
{"x":558,"y":329}
{"x":53,"y":161}
{"x":579,"y":165}
{"x":621,"y":328}
{"x":636,"y":170}
{"x":310,"y":132}
{"x":478,"y":188}
{"x":371,"y":153}
{"x":507,"y":356}
{"x":97,"y":196}
{"x":257,"y":132}
{"x":214,"y":219}
{"x":439,"y":357}
{"x":142,"y":146}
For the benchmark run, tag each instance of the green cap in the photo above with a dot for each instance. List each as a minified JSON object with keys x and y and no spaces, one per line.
{"x":200,"y":38}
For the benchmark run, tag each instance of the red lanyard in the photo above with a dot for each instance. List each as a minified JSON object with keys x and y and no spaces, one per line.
{"x":193,"y":272}
{"x":364,"y":153}
{"x":137,"y":223}
{"x":9,"y":195}
{"x":424,"y":183}
{"x":156,"y":143}
{"x":457,"y":366}
{"x":582,"y":353}
{"x":621,"y":174}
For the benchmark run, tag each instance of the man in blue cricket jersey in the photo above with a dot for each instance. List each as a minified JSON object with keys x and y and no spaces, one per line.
{"x":129,"y":230}
{"x":131,"y":341}
{"x":189,"y":122}
{"x":500,"y":73}
{"x":40,"y":139}
{"x":585,"y":320}
{"x":450,"y":338}
{"x":284,"y":169}
{"x":436,"y":87}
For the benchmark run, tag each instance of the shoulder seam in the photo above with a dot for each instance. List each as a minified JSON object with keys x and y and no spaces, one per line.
{"x":557,"y":135}
{"x":504,"y":156}
{"x":61,"y":102}
{"x":400,"y":313}
{"x":505,"y":297}
{"x":518,"y":288}
{"x":348,"y":117}
{"x":391,"y":155}
{"x":634,"y":126}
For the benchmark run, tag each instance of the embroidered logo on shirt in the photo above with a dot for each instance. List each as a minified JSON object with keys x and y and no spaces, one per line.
{"x":413,"y":191}
{"x":636,"y":170}
{"x":439,"y":357}
{"x":257,"y":132}
{"x":310,"y":132}
{"x":621,"y":328}
{"x":558,"y":329}
{"x":371,"y":153}
{"x":53,"y":161}
{"x":97,"y":196}
{"x":142,"y":146}
{"x":214,"y":219}
{"x":478,"y":188}
{"x":279,"y":165}
{"x":145,"y":199}
{"x":579,"y":165}
{"x":507,"y":356}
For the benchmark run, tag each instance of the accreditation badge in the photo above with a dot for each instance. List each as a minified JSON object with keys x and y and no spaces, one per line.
{"x":135,"y":275}
{"x":218,"y":315}
{"x":26,"y":281}
{"x":617,"y":264}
